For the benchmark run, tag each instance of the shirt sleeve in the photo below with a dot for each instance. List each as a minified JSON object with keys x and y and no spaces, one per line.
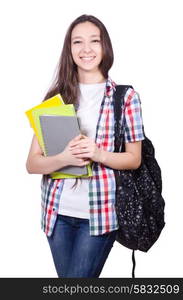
{"x":133,"y":122}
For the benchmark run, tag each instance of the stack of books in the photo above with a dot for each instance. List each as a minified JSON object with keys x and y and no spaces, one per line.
{"x":55,"y":124}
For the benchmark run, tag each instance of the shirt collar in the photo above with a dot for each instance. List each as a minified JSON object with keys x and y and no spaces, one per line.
{"x":110,"y":87}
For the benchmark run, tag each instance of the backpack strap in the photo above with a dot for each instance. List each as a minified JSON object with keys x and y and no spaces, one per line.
{"x":134,"y":263}
{"x":118,"y":96}
{"x":119,"y":99}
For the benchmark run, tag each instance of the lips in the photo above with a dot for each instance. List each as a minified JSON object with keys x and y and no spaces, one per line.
{"x":87,"y":58}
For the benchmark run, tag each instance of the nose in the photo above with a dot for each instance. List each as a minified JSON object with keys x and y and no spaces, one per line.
{"x":86,"y":47}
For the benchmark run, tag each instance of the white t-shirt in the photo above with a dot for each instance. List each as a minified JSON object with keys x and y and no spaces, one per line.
{"x":74,"y":202}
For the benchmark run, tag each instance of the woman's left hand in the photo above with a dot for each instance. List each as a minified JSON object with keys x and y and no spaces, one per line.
{"x":86,"y":148}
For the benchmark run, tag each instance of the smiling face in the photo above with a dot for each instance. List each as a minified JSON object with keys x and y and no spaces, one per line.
{"x":86,"y":48}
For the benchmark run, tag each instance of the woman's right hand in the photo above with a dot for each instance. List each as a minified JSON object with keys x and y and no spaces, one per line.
{"x":37,"y":163}
{"x":69,"y":158}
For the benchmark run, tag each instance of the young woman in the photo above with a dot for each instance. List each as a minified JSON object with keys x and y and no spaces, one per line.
{"x":78,"y":216}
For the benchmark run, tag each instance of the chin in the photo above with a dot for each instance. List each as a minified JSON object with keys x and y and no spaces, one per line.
{"x":88,"y":68}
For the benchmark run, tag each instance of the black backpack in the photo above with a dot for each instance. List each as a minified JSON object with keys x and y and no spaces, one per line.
{"x":139,"y":201}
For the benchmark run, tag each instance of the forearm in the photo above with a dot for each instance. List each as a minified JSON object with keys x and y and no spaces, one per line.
{"x":39,"y":164}
{"x":120,"y":161}
{"x":130,"y":159}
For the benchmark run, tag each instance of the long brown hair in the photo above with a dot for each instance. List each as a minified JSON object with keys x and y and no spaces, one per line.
{"x":66,"y":79}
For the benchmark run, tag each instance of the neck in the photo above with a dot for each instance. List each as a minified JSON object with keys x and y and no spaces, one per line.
{"x":88,"y":77}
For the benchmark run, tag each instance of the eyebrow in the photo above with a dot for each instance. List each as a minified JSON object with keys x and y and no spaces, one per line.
{"x":80,"y":37}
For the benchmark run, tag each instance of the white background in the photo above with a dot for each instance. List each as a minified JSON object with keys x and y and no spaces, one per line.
{"x":147,"y":42}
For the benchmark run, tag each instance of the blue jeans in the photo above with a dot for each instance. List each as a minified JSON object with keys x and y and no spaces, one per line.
{"x":75,"y":252}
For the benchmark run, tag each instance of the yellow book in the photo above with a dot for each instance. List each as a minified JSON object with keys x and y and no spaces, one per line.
{"x":51,"y":102}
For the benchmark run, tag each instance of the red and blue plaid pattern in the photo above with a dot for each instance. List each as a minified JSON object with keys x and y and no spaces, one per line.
{"x":102,"y":185}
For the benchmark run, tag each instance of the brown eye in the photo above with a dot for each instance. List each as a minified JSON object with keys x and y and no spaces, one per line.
{"x":96,"y":41}
{"x":76,"y":42}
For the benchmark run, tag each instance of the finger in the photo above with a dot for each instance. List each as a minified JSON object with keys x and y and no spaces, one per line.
{"x":84,"y":136}
{"x":78,"y":151}
{"x":80,"y":147}
{"x":80,"y":144}
{"x":82,"y":155}
{"x":73,"y":146}
{"x":86,"y":160}
{"x":77,"y":138}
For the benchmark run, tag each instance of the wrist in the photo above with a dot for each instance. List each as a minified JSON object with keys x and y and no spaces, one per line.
{"x":61,"y":159}
{"x":102,"y":156}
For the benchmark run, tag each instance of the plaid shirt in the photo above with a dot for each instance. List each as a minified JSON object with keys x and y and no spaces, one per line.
{"x":102,"y":185}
